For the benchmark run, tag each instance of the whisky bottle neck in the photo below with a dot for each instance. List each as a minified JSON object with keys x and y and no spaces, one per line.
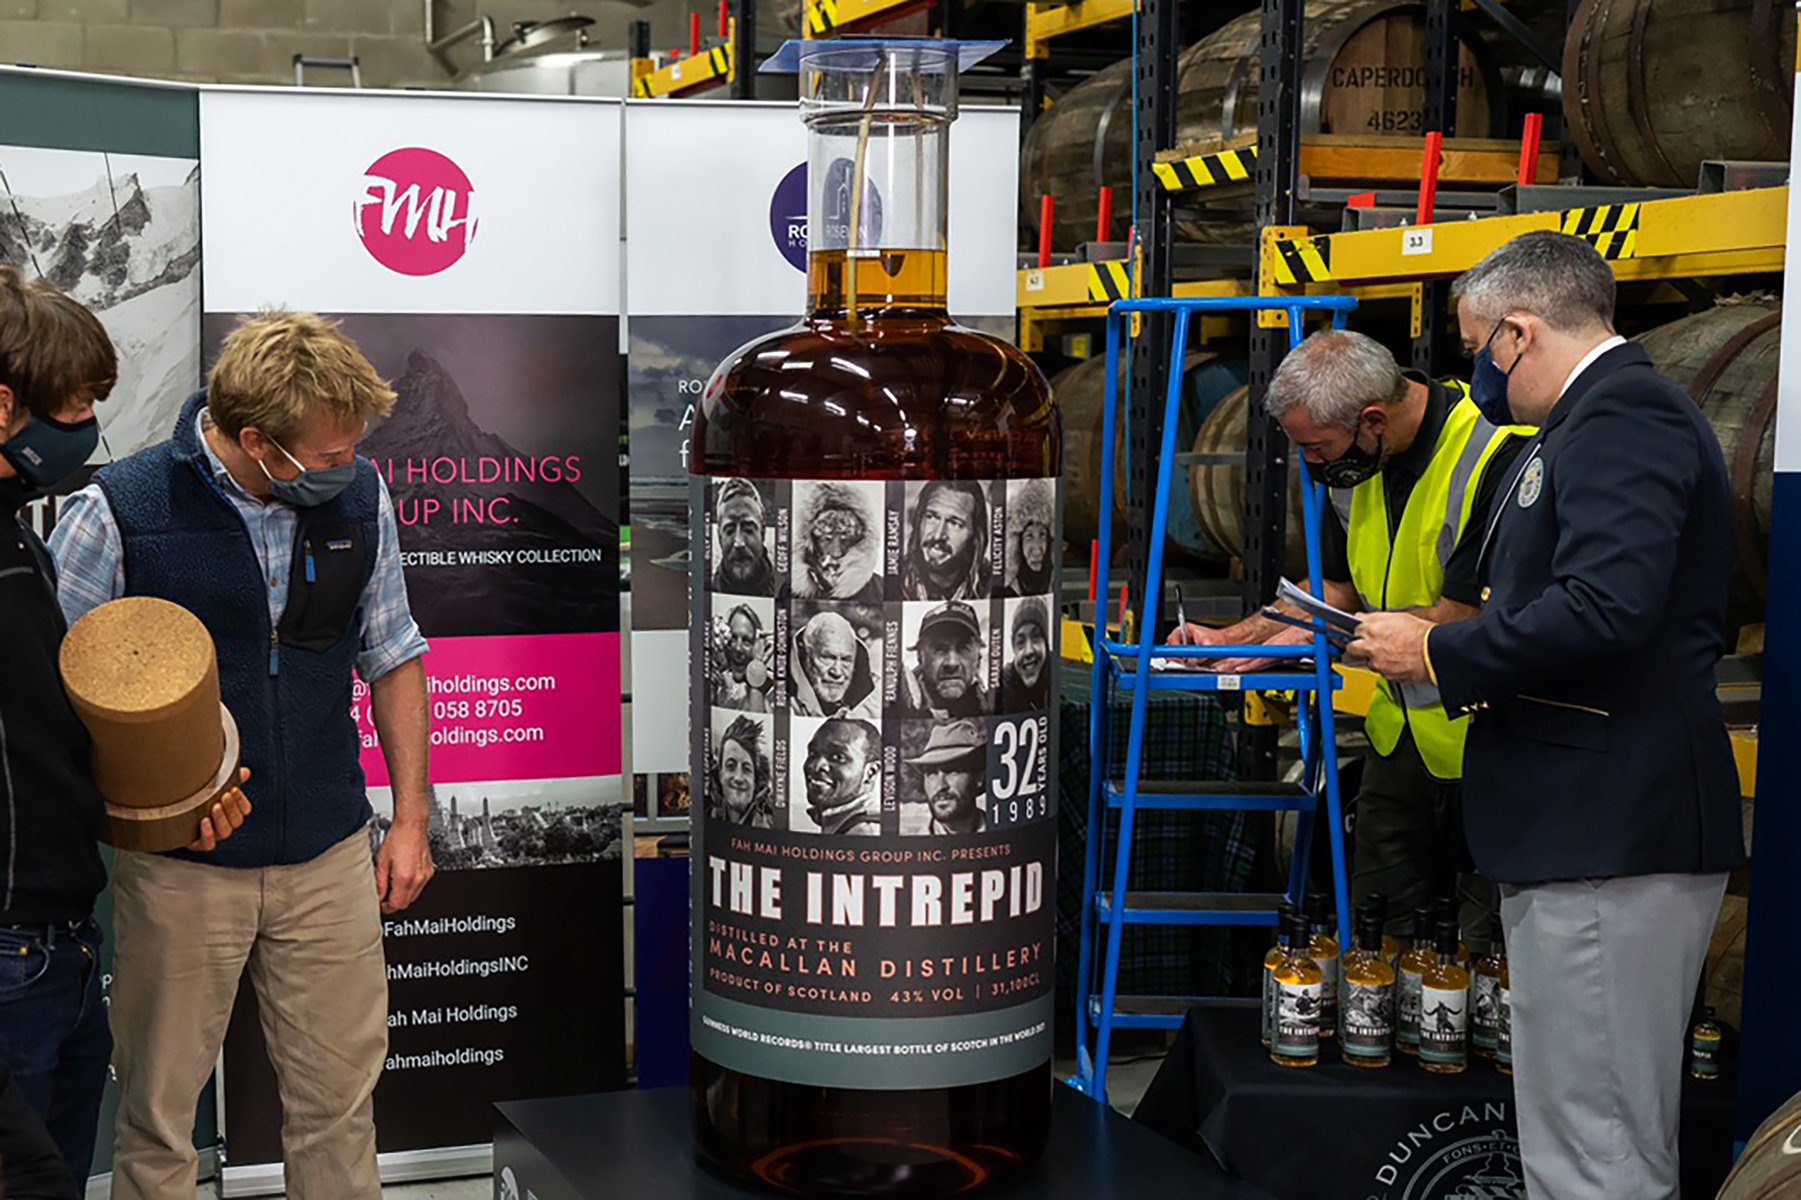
{"x":884,"y":284}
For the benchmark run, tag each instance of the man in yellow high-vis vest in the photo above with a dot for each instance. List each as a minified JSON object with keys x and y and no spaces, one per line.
{"x":1412,"y":468}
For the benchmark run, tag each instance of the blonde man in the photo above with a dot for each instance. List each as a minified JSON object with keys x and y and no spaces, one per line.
{"x":258,"y":516}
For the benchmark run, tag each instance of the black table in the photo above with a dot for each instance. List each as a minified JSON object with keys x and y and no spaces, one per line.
{"x":635,"y":1144}
{"x":1333,"y":1132}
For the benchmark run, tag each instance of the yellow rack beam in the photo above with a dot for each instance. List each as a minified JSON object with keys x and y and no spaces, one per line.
{"x":706,"y":69}
{"x":831,"y":18}
{"x":1047,"y":21}
{"x":1732,"y":233}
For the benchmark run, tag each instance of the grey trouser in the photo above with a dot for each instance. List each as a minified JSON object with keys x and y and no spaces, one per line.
{"x":1602,"y":974}
{"x":1407,"y":845}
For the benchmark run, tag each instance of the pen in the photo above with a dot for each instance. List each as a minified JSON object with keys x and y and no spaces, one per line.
{"x":1181,"y":616}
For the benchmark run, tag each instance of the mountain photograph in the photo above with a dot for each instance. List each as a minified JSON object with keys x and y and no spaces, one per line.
{"x":120,"y":233}
{"x":502,"y":455}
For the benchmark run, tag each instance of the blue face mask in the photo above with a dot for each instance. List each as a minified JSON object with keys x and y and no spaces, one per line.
{"x":310,"y":488}
{"x":1488,"y":384}
{"x":47,"y":451}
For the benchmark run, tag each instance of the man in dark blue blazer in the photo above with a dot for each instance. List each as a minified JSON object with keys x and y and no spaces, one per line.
{"x":1599,"y":787}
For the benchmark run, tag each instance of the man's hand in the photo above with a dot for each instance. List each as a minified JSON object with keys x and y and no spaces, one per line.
{"x":1289,"y":636}
{"x":404,"y":866}
{"x":225,"y":818}
{"x":1394,"y":645}
{"x":1195,"y":635}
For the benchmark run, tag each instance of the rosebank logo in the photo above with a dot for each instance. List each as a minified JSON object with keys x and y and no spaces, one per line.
{"x":416,"y":212}
{"x":788,"y":217}
{"x":789,"y":220}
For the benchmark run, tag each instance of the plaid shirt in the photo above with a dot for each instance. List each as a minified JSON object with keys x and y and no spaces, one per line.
{"x":90,"y":565}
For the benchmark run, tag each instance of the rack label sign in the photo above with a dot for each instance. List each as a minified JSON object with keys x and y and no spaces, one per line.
{"x":1416,"y":241}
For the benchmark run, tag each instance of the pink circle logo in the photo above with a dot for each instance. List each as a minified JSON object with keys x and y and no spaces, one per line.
{"x":416,"y":212}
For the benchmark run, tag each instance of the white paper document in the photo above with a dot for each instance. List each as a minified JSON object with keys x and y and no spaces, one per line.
{"x":1335,"y":618}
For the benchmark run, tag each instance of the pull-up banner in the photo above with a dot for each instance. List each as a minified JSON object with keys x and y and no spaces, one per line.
{"x":470,"y":246}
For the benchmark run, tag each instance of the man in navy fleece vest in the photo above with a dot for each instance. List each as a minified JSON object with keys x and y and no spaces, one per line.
{"x":258,"y":516}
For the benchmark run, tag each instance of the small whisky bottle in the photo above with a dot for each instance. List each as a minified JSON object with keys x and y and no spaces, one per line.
{"x":1504,"y":1023}
{"x":1444,"y":1008}
{"x":1445,"y":909}
{"x":1324,"y":946}
{"x":1277,"y":952}
{"x":1704,"y":1046}
{"x":1294,"y":1041}
{"x":1485,"y":1000}
{"x":1367,"y":1007}
{"x":1408,"y":973}
{"x":1376,"y":904}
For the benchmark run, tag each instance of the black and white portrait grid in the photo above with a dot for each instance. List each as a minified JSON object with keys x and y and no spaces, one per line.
{"x":879,"y":655}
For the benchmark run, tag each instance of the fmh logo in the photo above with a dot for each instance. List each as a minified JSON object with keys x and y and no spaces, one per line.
{"x":416,"y":212}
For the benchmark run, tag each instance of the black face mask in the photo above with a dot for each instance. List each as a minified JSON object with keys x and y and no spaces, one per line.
{"x":1349,"y":469}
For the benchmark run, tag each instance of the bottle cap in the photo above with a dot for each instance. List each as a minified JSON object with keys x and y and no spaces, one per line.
{"x":1422,"y":925}
{"x":1447,"y":937}
{"x":1369,"y":932}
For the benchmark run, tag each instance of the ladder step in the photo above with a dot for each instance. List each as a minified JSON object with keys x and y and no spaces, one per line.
{"x":1162,"y":1012}
{"x":1192,"y":908}
{"x":1216,"y":795}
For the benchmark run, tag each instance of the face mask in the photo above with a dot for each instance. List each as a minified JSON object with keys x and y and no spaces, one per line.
{"x":310,"y":488}
{"x":47,"y":451}
{"x":1488,"y":384}
{"x":1349,"y":469}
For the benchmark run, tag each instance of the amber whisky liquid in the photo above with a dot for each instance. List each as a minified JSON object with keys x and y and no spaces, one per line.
{"x":878,"y":385}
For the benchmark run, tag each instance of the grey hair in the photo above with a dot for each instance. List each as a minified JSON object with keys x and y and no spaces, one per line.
{"x":1560,"y":279}
{"x":1335,"y":374}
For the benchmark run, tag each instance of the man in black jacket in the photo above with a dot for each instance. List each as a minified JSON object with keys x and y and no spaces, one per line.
{"x":1599,"y":787}
{"x":56,"y":362}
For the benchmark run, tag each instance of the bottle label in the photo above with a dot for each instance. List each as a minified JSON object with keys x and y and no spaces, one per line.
{"x":1328,"y":971}
{"x":1704,"y":1057}
{"x":1297,"y":1020}
{"x":1485,"y":999}
{"x":1267,"y":1012}
{"x":1504,"y":1026}
{"x":1368,"y":1019}
{"x":1444,"y":1024}
{"x":1407,"y":1004}
{"x":873,"y":672}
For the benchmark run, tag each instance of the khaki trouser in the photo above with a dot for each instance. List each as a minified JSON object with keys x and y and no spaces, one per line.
{"x":311,"y":938}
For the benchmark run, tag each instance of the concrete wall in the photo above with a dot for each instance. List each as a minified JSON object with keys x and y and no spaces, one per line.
{"x":254,"y":41}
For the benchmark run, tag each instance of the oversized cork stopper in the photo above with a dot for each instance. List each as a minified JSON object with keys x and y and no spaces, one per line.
{"x":142,"y":676}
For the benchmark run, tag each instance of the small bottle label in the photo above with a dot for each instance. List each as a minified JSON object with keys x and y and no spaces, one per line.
{"x":1328,"y":976}
{"x":1504,"y":1027}
{"x":1297,"y":1020}
{"x":1266,"y":1014}
{"x":1407,"y":1002}
{"x":1368,"y":1019}
{"x":1484,"y":1020}
{"x":1704,"y":1055}
{"x":1444,"y":1025}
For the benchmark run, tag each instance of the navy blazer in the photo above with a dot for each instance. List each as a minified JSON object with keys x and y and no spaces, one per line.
{"x":1597,"y":746}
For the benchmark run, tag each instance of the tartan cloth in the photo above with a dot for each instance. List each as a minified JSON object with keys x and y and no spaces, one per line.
{"x":1187,"y":735}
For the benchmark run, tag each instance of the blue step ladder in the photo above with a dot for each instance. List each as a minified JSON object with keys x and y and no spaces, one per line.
{"x":1108,"y":907}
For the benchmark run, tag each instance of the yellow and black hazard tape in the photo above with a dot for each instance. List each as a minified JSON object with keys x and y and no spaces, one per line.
{"x":641,"y":87}
{"x":1303,"y":260}
{"x":1206,"y":170}
{"x":713,"y":64}
{"x":822,"y":17}
{"x":1109,"y":281}
{"x":719,"y":60}
{"x":1611,"y":228}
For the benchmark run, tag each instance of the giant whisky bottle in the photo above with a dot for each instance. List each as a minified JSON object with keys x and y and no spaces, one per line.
{"x":874,"y":655}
